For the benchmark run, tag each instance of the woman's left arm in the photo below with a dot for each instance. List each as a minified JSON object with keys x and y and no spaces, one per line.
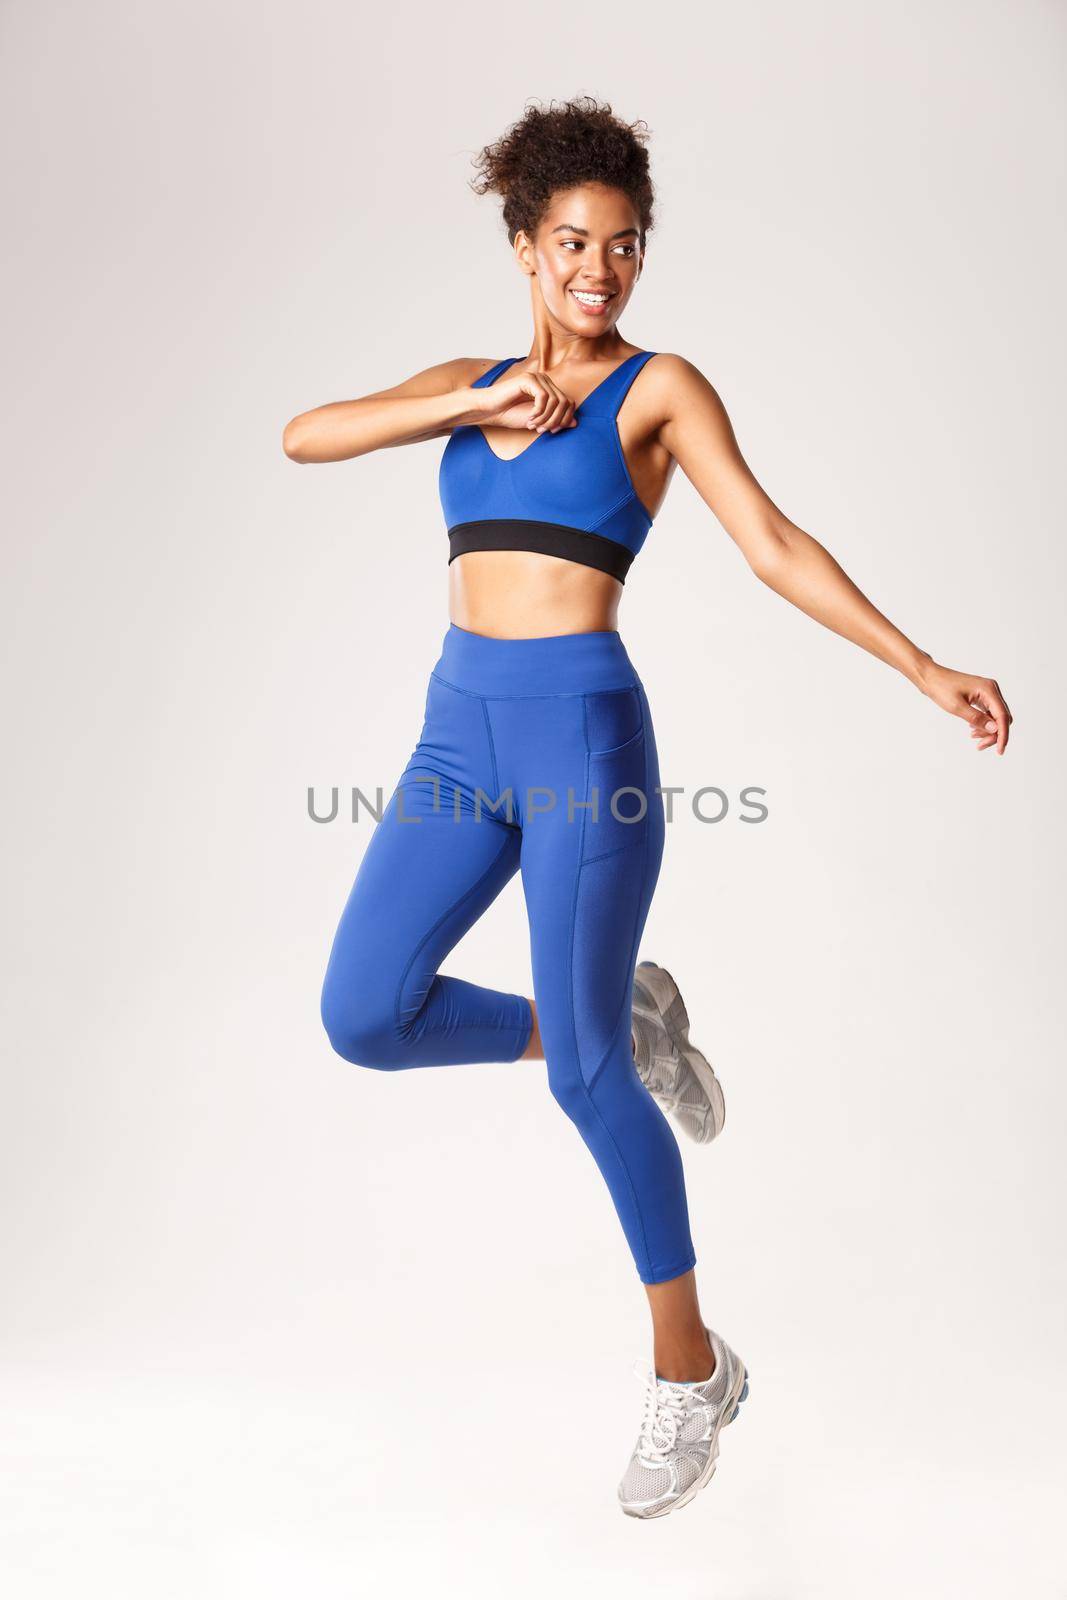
{"x":698,"y":434}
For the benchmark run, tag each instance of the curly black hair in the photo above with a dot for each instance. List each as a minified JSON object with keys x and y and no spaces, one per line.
{"x":557,"y":147}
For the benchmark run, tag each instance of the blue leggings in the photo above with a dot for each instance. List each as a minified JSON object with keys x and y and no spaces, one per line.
{"x":539,"y":755}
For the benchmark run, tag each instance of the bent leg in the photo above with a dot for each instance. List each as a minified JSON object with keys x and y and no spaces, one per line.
{"x":424,"y":880}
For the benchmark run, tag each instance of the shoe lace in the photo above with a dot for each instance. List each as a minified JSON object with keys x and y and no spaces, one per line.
{"x":666,"y":1408}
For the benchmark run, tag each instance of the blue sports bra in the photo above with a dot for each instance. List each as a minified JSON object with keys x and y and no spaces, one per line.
{"x":567,"y":494}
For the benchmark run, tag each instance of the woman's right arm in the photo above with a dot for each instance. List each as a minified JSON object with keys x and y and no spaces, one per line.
{"x":426,"y":406}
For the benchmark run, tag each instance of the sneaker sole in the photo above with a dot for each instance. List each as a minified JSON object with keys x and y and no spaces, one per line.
{"x":671,"y":1007}
{"x":738,"y":1393}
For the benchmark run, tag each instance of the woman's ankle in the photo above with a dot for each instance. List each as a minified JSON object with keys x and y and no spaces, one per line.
{"x":684,"y":1363}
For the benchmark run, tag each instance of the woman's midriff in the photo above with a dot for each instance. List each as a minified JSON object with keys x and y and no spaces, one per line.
{"x":520,"y":594}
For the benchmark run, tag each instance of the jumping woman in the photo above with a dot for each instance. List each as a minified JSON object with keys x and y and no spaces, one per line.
{"x":537,"y":752}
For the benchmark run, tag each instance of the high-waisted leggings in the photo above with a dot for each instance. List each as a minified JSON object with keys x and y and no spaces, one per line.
{"x":535,"y":755}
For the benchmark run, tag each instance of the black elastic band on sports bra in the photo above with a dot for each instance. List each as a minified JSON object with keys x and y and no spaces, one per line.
{"x":544,"y":538}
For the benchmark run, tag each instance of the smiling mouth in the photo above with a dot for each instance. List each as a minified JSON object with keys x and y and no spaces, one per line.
{"x":591,"y":300}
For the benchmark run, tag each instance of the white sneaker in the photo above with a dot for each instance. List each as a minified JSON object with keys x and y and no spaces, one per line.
{"x":678,"y":1447}
{"x":673,"y":1070}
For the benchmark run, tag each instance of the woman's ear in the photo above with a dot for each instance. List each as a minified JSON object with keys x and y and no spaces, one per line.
{"x":524,"y":254}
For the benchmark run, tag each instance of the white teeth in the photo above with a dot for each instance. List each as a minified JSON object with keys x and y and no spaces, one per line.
{"x":592,"y":299}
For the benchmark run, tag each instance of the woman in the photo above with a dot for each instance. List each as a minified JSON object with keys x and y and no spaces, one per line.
{"x":537,"y":751}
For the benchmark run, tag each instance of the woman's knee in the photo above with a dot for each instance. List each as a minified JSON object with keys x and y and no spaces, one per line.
{"x":568,"y":1089}
{"x":589,"y":1091}
{"x":360,"y":1028}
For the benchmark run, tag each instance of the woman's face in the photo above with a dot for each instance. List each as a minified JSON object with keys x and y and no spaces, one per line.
{"x":586,"y":256}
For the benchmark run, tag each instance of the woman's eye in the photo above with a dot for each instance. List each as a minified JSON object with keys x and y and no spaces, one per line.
{"x":627,"y":249}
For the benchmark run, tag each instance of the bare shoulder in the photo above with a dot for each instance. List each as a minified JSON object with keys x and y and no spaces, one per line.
{"x":673,"y":378}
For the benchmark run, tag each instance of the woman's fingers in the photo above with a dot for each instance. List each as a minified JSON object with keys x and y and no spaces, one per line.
{"x":557,"y":417}
{"x":539,"y":392}
{"x":550,"y":410}
{"x":989,"y":716}
{"x":531,"y":402}
{"x":536,"y":405}
{"x":977,"y":700}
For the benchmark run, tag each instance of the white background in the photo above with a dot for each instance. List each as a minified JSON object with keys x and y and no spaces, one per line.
{"x":277,"y":1325}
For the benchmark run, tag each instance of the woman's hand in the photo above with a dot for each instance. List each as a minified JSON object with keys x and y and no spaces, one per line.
{"x":977,"y":700}
{"x":527,"y":400}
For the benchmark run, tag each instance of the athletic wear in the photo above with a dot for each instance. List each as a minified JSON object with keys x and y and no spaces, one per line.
{"x":678,"y":1446}
{"x":567,"y":494}
{"x":671,"y":1068}
{"x":542,"y":758}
